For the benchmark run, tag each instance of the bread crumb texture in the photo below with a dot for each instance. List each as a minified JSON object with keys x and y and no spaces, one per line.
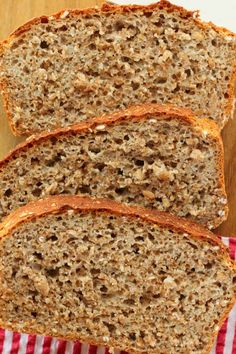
{"x":158,"y":163}
{"x":71,"y":67}
{"x":116,"y":280}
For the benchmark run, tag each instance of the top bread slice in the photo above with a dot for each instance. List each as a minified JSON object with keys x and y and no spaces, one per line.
{"x":153,"y":155}
{"x":125,"y":277}
{"x":61,"y":69}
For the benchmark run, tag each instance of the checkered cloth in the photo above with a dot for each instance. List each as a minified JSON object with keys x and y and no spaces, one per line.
{"x":15,"y":343}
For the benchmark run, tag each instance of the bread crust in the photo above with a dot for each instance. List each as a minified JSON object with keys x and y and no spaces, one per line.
{"x":60,"y":204}
{"x":107,"y":7}
{"x":139,"y":112}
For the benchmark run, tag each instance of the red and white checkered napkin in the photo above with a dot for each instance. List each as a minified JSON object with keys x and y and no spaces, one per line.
{"x":15,"y":343}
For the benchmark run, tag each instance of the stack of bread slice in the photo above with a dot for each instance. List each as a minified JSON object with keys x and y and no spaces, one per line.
{"x":126,"y":103}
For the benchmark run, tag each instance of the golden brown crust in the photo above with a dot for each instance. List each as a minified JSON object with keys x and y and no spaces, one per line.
{"x":161,"y":5}
{"x":60,"y":204}
{"x":139,"y":112}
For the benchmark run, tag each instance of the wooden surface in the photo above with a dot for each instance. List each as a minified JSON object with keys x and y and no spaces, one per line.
{"x":15,"y":12}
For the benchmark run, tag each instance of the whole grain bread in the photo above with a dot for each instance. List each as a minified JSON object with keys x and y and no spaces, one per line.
{"x":151,"y":155}
{"x":61,"y":69}
{"x":125,"y":277}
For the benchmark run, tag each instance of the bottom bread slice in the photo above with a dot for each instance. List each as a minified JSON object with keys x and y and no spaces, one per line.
{"x":126,"y":277}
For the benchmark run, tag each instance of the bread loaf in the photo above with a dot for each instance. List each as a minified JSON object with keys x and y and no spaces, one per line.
{"x":156,"y":156}
{"x":61,"y":69}
{"x":109,"y":274}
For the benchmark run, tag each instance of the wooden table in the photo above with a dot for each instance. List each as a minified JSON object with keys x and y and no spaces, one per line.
{"x":15,"y":12}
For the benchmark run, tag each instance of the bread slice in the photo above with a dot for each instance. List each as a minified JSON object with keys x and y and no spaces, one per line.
{"x":61,"y":69}
{"x":126,"y":277}
{"x":156,"y":156}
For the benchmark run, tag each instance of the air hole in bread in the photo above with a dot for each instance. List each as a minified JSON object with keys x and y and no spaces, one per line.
{"x":121,"y":190}
{"x":44,"y":45}
{"x":139,"y":163}
{"x":100,"y":166}
{"x":53,"y":272}
{"x":214,"y":42}
{"x":8,"y":192}
{"x":38,"y":255}
{"x":135,"y":85}
{"x":119,"y":25}
{"x":36,"y":192}
{"x":53,"y":238}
